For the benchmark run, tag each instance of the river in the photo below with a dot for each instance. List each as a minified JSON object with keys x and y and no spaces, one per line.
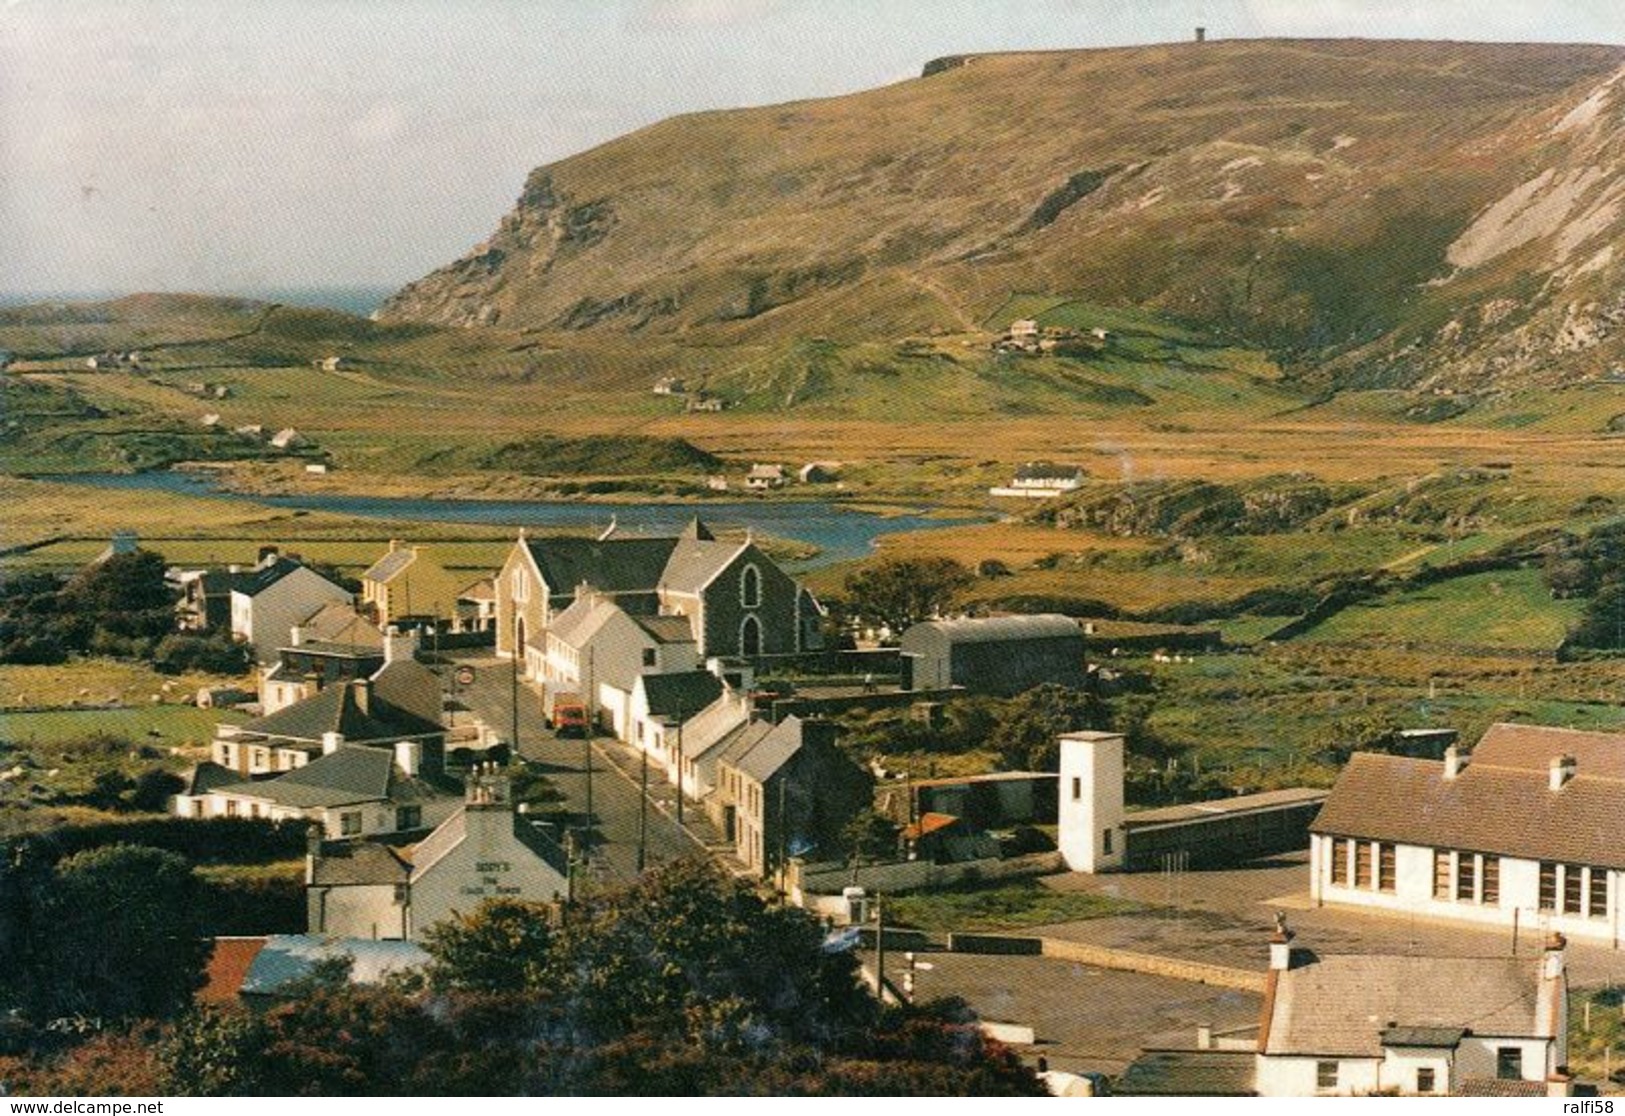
{"x":840,"y":533}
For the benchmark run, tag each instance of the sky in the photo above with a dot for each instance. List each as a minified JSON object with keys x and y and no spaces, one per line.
{"x":201,"y":145}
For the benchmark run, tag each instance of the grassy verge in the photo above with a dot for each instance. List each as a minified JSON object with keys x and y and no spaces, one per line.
{"x":1003,"y":906}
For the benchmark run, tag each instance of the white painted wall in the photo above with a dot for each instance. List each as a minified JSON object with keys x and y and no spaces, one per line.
{"x":1091,"y":806}
{"x":489,"y":862}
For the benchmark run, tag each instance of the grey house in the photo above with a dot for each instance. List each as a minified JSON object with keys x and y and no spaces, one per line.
{"x":996,"y":655}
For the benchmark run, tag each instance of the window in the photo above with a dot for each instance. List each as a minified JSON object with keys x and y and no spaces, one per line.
{"x":1106,"y":841}
{"x":350,"y":823}
{"x":409,"y":817}
{"x":231,"y":807}
{"x":1509,"y":1063}
{"x":1441,"y":874}
{"x":750,"y":587}
{"x":1385,"y":867}
{"x":1573,"y":889}
{"x":1548,"y":886}
{"x":1424,"y":1079}
{"x":1597,"y":893}
{"x":516,"y":585}
{"x":648,"y":656}
{"x":1077,"y":788}
{"x":1325,"y":1075}
{"x":1340,"y":860}
{"x":750,"y":637}
{"x":1466,"y":877}
{"x":1362,"y":864}
{"x":1492,"y":881}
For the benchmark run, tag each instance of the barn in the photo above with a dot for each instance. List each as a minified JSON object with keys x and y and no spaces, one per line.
{"x":994,"y":655}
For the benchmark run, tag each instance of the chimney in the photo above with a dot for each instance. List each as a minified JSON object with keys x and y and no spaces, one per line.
{"x":1560,"y":1084}
{"x":409,"y":757}
{"x":331,"y":742}
{"x":1552,"y":998}
{"x":1204,"y":1036}
{"x":394,"y":545}
{"x":313,"y":851}
{"x":1281,"y":945}
{"x":1562,"y":771}
{"x":362,"y":689}
{"x":1551,"y":961}
{"x":1453,"y":762}
{"x":1201,"y":34}
{"x":268,"y":555}
{"x":400,"y":646}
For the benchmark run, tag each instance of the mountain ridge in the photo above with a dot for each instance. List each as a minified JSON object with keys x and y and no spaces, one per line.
{"x":1333,"y":201}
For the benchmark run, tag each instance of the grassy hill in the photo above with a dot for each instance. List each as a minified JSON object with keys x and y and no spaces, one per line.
{"x":1343,"y":200}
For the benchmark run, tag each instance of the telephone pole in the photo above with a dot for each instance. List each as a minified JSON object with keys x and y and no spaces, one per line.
{"x":643,"y":810}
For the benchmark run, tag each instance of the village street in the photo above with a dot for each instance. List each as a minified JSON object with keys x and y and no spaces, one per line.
{"x":615,"y":774}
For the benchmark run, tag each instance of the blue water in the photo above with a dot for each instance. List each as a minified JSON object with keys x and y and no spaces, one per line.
{"x":840,"y":533}
{"x":357,"y":300}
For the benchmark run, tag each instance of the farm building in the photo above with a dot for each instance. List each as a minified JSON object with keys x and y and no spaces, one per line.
{"x":1098,"y":834}
{"x":986,"y":801}
{"x":994,"y":655}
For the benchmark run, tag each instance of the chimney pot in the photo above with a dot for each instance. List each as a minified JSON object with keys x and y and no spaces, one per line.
{"x":1562,"y":770}
{"x":1204,"y":1036}
{"x":1452,"y":762}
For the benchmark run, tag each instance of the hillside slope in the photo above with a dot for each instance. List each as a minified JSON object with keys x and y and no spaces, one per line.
{"x":1406,"y":213}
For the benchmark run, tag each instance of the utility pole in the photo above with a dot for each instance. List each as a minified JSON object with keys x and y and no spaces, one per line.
{"x":682,"y":776}
{"x":643,"y":811}
{"x":513,"y":737}
{"x":586,"y":743}
{"x":880,"y":952}
{"x":784,"y":834}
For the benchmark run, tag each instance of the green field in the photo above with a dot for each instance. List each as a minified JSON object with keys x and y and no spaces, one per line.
{"x":1509,"y":610}
{"x":164,"y":726}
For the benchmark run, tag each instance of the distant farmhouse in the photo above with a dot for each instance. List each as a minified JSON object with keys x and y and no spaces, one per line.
{"x":1040,"y":480}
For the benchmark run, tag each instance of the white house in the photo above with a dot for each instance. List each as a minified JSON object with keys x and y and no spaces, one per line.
{"x":348,"y":791}
{"x":1528,"y":829}
{"x":1369,"y":1024}
{"x":1355,"y":1024}
{"x":1040,"y":480}
{"x":663,"y":704}
{"x":596,"y":644}
{"x":482,"y":851}
{"x":280,"y":593}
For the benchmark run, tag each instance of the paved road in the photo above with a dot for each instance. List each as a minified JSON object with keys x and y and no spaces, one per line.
{"x":614,"y":819}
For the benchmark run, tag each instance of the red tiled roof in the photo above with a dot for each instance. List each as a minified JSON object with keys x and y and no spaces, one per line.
{"x":228,"y":965}
{"x":929,"y":823}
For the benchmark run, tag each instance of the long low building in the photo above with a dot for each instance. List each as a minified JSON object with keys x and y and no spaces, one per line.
{"x":1099,"y":834}
{"x":1529,"y":829}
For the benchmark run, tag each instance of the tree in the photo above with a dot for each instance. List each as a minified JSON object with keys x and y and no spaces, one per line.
{"x":899,"y":592}
{"x":501,"y":947}
{"x":870,"y":835}
{"x":1026,"y":735}
{"x":119,"y":926}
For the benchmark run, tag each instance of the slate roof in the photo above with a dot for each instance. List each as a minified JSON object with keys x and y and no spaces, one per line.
{"x":1341,"y":1005}
{"x":208,"y":775}
{"x":259,"y":580}
{"x":667,"y":629}
{"x":391,"y":565}
{"x":1497,"y":1087}
{"x":713,"y":724}
{"x":737,"y":744}
{"x":683,"y":693}
{"x":991,"y":629}
{"x":344,"y":776}
{"x":338,"y":622}
{"x":335,"y":709}
{"x":1188,"y":1073}
{"x":286,"y":958}
{"x":1433,"y":1038}
{"x":485,"y":589}
{"x":695,"y":562}
{"x":1048,"y":470}
{"x":454,"y":830}
{"x":772,"y":752}
{"x":612,"y":565}
{"x":1240,"y":804}
{"x":1490,"y":807}
{"x":577,"y":624}
{"x":350,"y":863}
